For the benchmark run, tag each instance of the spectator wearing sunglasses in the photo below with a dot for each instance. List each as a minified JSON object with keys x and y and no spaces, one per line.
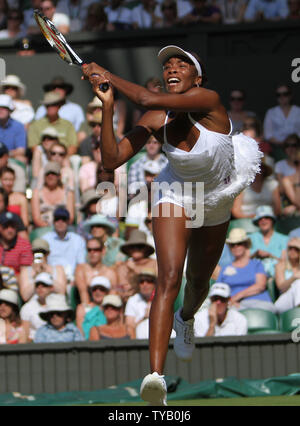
{"x":14,"y":25}
{"x":219,"y":319}
{"x":281,"y":121}
{"x":236,"y":112}
{"x":94,"y":267}
{"x":66,"y":248}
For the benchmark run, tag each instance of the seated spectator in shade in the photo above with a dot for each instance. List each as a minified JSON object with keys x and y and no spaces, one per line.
{"x":115,"y":328}
{"x":59,"y":154}
{"x":138,"y":251}
{"x":94,"y":266}
{"x":136,"y":173}
{"x":232,"y":10}
{"x":219,"y":319}
{"x":60,"y":20}
{"x":89,"y":200}
{"x":99,"y":226}
{"x":118,"y":16}
{"x":286,"y":167}
{"x":267,"y":244}
{"x":20,"y":173}
{"x":169,"y":18}
{"x":203,"y":13}
{"x":70,"y":111}
{"x":96,"y":19}
{"x":237,"y":112}
{"x":291,"y":190}
{"x":14,"y":27}
{"x":12,"y":132}
{"x":30,"y":311}
{"x":59,"y":328}
{"x":3,"y":14}
{"x":146,"y":14}
{"x":281,"y":121}
{"x":50,"y":196}
{"x":21,"y":229}
{"x":17,"y":202}
{"x":269,"y":10}
{"x":138,"y":306}
{"x":66,"y":248}
{"x":84,"y":150}
{"x":91,"y":314}
{"x":29,"y":23}
{"x":76,"y":10}
{"x":41,"y":251}
{"x":53,"y":101}
{"x":15,"y":251}
{"x":11,"y":329}
{"x":252,"y":127}
{"x":13,"y":86}
{"x":245,"y":276}
{"x":287,"y":278}
{"x":263,"y":191}
{"x":294,"y":9}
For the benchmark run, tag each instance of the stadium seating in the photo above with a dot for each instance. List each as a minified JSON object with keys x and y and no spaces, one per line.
{"x":261,"y":321}
{"x":272,"y":289}
{"x":288,"y":320}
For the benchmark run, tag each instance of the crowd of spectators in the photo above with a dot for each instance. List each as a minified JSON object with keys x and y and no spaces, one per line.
{"x":16,"y":17}
{"x":75,"y":264}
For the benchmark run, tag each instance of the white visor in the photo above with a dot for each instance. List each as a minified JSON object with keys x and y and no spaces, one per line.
{"x":167,"y":52}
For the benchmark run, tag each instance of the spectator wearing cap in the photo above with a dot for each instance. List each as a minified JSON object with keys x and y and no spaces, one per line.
{"x":100,"y":226}
{"x":17,"y":202}
{"x":138,"y":251}
{"x":59,"y":326}
{"x":13,"y":86}
{"x":12,"y":132}
{"x":21,"y":229}
{"x":91,"y":314}
{"x":267,"y":244}
{"x":65,"y":129}
{"x":53,"y":194}
{"x":15,"y":251}
{"x":287,"y":277}
{"x":41,"y":251}
{"x":219,"y":319}
{"x":245,"y":276}
{"x":93,"y":267}
{"x":115,"y":328}
{"x":138,"y":306}
{"x":69,"y":110}
{"x":43,"y":286}
{"x":136,"y":172}
{"x":20,"y":173}
{"x":66,"y":248}
{"x":11,"y":329}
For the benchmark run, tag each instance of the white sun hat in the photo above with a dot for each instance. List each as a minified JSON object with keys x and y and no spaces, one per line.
{"x":15,"y":81}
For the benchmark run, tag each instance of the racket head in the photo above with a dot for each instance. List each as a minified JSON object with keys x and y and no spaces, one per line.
{"x":56,"y":40}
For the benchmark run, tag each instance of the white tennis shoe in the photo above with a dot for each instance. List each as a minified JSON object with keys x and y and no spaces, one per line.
{"x":154,"y":389}
{"x":184,"y":342}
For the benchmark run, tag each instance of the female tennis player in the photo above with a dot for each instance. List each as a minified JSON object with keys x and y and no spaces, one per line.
{"x":194,"y":128}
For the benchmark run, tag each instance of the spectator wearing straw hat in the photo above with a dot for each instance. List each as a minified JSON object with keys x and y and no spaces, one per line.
{"x":100,"y":226}
{"x":30,"y":311}
{"x":41,"y":251}
{"x":58,"y":316}
{"x":53,"y":101}
{"x":245,"y":276}
{"x":12,"y":132}
{"x":219,"y":319}
{"x":70,"y":111}
{"x":11,"y":329}
{"x":138,"y":251}
{"x":13,"y":86}
{"x":267,"y":244}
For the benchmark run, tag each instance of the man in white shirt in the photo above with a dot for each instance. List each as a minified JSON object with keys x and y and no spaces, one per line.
{"x":76,"y":10}
{"x":30,"y":311}
{"x":218,"y":319}
{"x":60,"y":20}
{"x":118,"y":16}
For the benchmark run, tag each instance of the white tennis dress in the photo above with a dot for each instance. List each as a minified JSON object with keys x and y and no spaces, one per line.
{"x":209,"y":176}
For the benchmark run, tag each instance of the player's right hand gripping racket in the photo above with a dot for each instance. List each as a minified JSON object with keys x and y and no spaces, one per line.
{"x":59,"y":43}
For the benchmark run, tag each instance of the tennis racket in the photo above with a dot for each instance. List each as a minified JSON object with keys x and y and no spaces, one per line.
{"x":58,"y":42}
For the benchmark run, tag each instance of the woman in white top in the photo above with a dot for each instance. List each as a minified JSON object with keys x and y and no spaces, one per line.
{"x":195,"y":129}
